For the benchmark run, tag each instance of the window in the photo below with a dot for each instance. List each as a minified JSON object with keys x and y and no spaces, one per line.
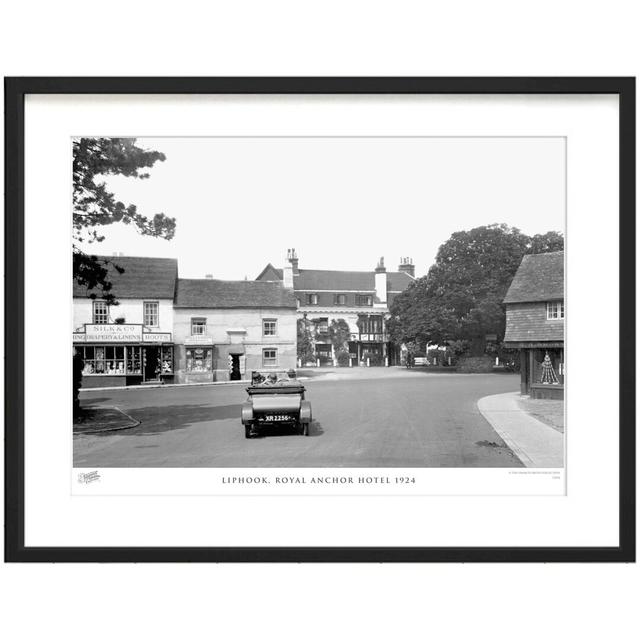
{"x":198,"y":326}
{"x":106,"y":360}
{"x":364,"y":301}
{"x":100,"y":312}
{"x":322,"y":325}
{"x":269,"y":327}
{"x":150,"y":314}
{"x":312,"y":298}
{"x":199,"y":360}
{"x":370,"y":324}
{"x":340,"y":298}
{"x":555,"y":310}
{"x":269,"y":357}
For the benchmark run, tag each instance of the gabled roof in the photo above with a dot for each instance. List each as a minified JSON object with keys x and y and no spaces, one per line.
{"x":539,"y":277}
{"x":232,"y":294}
{"x":270,"y":273}
{"x":153,"y":278}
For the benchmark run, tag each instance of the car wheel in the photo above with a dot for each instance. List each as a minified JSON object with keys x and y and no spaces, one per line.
{"x":305,"y":429}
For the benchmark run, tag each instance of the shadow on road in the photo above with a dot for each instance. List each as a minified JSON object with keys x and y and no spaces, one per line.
{"x":155,"y":420}
{"x":88,"y":402}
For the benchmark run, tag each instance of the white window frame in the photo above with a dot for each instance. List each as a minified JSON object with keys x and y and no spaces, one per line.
{"x":200,"y":321}
{"x":102,"y":303}
{"x":157,"y":313}
{"x":274,"y":322}
{"x":312,"y":299}
{"x":275,"y":358}
{"x":555,"y":310}
{"x":337,"y":299}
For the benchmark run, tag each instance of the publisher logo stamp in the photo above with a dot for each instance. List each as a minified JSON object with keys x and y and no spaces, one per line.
{"x":90,"y":476}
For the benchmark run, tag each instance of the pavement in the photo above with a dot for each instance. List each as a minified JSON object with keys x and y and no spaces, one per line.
{"x":102,"y":419}
{"x":535,"y":443}
{"x":363,"y":417}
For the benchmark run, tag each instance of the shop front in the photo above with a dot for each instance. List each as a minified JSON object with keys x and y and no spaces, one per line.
{"x":542,"y":369}
{"x":123,"y":355}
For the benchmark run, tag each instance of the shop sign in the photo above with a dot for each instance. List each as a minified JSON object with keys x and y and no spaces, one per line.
{"x":199,"y":340}
{"x":113,"y":333}
{"x":79,"y":337}
{"x":156,"y":337}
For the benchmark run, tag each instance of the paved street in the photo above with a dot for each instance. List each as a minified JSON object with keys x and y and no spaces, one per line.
{"x":362,"y":418}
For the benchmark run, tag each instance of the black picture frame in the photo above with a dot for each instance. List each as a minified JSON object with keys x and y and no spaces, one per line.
{"x":15,"y":91}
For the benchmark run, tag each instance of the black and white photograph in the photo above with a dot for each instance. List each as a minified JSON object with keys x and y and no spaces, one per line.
{"x":329,"y":302}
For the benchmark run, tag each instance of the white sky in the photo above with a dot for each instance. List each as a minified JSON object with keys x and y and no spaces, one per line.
{"x":239,"y":203}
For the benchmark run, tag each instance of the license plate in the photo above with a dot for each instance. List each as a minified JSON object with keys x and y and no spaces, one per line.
{"x":277,"y":417}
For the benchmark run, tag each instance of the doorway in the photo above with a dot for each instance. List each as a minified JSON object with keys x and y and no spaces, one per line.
{"x":151,"y":369}
{"x":234,"y":373}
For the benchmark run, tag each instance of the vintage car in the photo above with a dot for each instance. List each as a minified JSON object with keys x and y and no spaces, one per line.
{"x":275,"y":398}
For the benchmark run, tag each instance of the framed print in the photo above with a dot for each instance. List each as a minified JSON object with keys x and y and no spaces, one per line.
{"x":320,"y":319}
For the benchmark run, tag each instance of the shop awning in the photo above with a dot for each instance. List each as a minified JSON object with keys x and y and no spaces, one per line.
{"x":236,"y":350}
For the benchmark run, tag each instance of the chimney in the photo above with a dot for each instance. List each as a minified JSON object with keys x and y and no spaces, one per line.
{"x":406,"y":265}
{"x":292,"y":257}
{"x":381,"y":281}
{"x":208,"y":276}
{"x":287,"y":272}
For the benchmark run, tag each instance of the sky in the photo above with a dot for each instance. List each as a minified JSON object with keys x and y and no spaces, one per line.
{"x":240,"y":203}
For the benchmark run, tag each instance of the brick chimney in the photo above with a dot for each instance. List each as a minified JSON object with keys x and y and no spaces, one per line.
{"x":292,"y":257}
{"x":381,"y":281}
{"x":406,"y":265}
{"x":287,"y":271}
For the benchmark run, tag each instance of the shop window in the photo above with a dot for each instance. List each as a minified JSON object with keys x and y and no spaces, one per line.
{"x":198,"y":326}
{"x":133,"y":361}
{"x":364,"y":301}
{"x":150,"y":314}
{"x":340,"y":298}
{"x":100,"y":312}
{"x":311,"y":298}
{"x":199,"y":360}
{"x":104,"y":360}
{"x":269,"y":357}
{"x":166,"y":359}
{"x":269,"y":328}
{"x":555,"y":310}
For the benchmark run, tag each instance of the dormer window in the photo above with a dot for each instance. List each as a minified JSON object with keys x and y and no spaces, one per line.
{"x":555,"y":310}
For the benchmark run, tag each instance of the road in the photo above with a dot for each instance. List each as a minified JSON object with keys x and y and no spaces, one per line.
{"x":362,"y":418}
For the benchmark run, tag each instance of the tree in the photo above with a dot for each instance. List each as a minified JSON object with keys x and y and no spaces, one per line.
{"x":546,"y":242}
{"x":305,"y":345}
{"x":461,"y":296}
{"x":339,"y":334}
{"x":94,"y":207}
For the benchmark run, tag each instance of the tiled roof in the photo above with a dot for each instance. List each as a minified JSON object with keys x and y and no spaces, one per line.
{"x":270,"y":273}
{"x":325,"y":280}
{"x":540,"y":277}
{"x":142,"y":278}
{"x":398,"y":280}
{"x":320,"y":280}
{"x":232,"y":294}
